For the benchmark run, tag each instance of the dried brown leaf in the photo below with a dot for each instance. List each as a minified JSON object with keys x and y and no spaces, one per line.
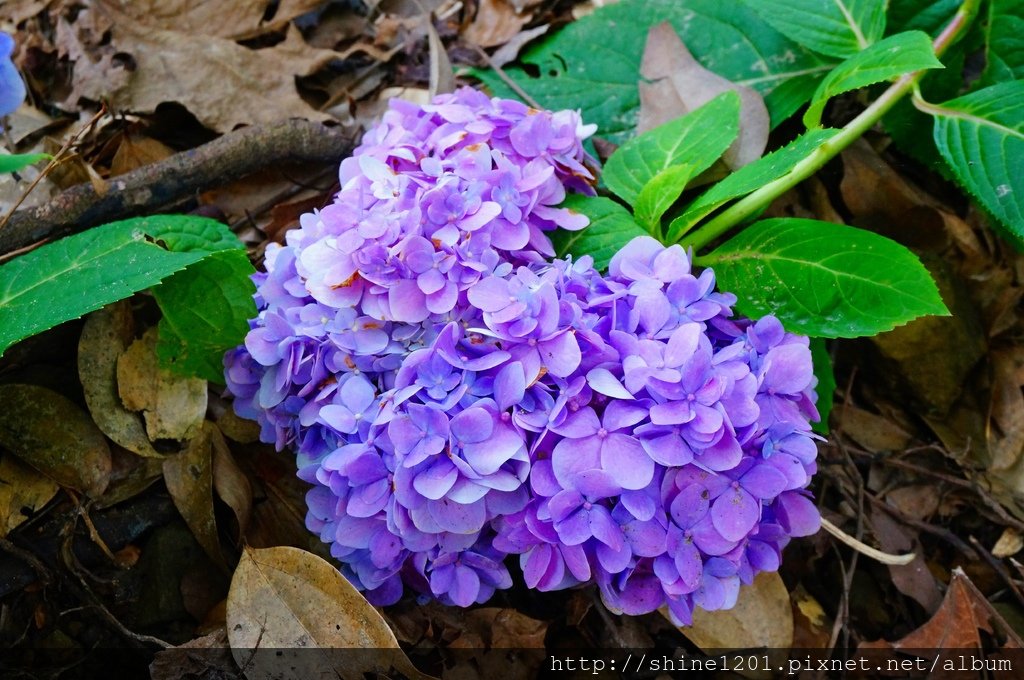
{"x":442,"y":76}
{"x":220,"y":82}
{"x":238,"y":19}
{"x":510,"y":50}
{"x":173,"y":405}
{"x":675,"y":83}
{"x":762,"y":617}
{"x":23,"y":491}
{"x":105,"y":336}
{"x":189,"y":479}
{"x":914,"y":579}
{"x":49,"y":432}
{"x":177,"y":664}
{"x":496,"y":22}
{"x":958,"y":622}
{"x":1010,"y":543}
{"x":285,"y":599}
{"x":135,"y":151}
{"x":875,"y":433}
{"x":130,"y":475}
{"x":230,"y":483}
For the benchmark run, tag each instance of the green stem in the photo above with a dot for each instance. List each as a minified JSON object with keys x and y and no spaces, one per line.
{"x":757,"y":200}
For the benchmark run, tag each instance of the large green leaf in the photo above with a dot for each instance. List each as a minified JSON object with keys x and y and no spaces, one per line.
{"x":884,"y":60}
{"x":1005,"y":42}
{"x":920,"y":15}
{"x":981,"y":136}
{"x":839,"y":28}
{"x":14,"y":162}
{"x":748,"y":178}
{"x":823,"y":279}
{"x":611,"y":227}
{"x":594,"y":64}
{"x":206,"y":309}
{"x":63,"y":280}
{"x":696,"y":140}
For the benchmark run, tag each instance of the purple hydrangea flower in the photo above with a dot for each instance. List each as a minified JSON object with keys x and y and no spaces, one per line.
{"x":455,"y":397}
{"x":12,"y":89}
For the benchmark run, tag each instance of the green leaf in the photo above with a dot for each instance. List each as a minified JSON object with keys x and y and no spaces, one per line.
{"x":611,"y":227}
{"x":65,"y":279}
{"x":884,"y":60}
{"x":14,"y":162}
{"x":920,"y":15}
{"x":826,"y":386}
{"x":824,"y":280}
{"x":981,"y":136}
{"x":206,"y":309}
{"x":594,"y":64}
{"x":839,"y":28}
{"x":659,"y":194}
{"x":1005,"y":43}
{"x":697,"y":140}
{"x":748,"y":178}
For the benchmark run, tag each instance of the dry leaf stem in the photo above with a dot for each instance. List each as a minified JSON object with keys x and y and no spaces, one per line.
{"x":151,"y":187}
{"x":754,"y":202}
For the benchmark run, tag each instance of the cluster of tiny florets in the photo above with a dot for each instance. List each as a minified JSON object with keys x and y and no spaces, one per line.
{"x":456,"y":395}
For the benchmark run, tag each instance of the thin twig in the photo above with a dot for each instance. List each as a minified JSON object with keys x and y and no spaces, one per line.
{"x":513,"y":85}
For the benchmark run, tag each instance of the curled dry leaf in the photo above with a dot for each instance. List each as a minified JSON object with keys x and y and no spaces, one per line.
{"x":230,"y":482}
{"x":236,"y":20}
{"x":675,"y":83}
{"x":189,"y":479}
{"x":496,"y":22}
{"x":21,"y":489}
{"x":130,"y":476}
{"x":220,"y":82}
{"x":285,"y":599}
{"x":174,"y":406}
{"x":105,"y":336}
{"x":49,"y":432}
{"x":762,"y":618}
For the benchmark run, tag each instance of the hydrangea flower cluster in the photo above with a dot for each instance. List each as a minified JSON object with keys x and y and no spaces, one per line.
{"x":456,"y":396}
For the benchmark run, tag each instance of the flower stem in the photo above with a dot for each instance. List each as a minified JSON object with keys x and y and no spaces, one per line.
{"x":757,"y":200}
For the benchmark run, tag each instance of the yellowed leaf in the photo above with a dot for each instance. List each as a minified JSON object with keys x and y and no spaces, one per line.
{"x":135,"y":151}
{"x":173,"y":405}
{"x":49,"y":432}
{"x":675,"y":83}
{"x":762,"y":618}
{"x":105,"y":335}
{"x":189,"y":479}
{"x":220,"y":82}
{"x":21,"y":489}
{"x":285,"y":599}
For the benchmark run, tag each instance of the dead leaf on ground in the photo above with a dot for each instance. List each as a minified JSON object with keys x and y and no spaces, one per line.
{"x":105,"y":336}
{"x":875,"y":433}
{"x":173,"y":405}
{"x":189,"y":479}
{"x":49,"y":432}
{"x":762,"y":617}
{"x":496,"y":22}
{"x":510,"y":50}
{"x":285,"y":599}
{"x":230,"y":483}
{"x":957,"y":624}
{"x":913,"y":580}
{"x":136,"y":151}
{"x":23,"y":491}
{"x":220,"y":82}
{"x":236,"y":20}
{"x":1010,"y":543}
{"x":130,"y":475}
{"x":675,"y":83}
{"x":214,"y":659}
